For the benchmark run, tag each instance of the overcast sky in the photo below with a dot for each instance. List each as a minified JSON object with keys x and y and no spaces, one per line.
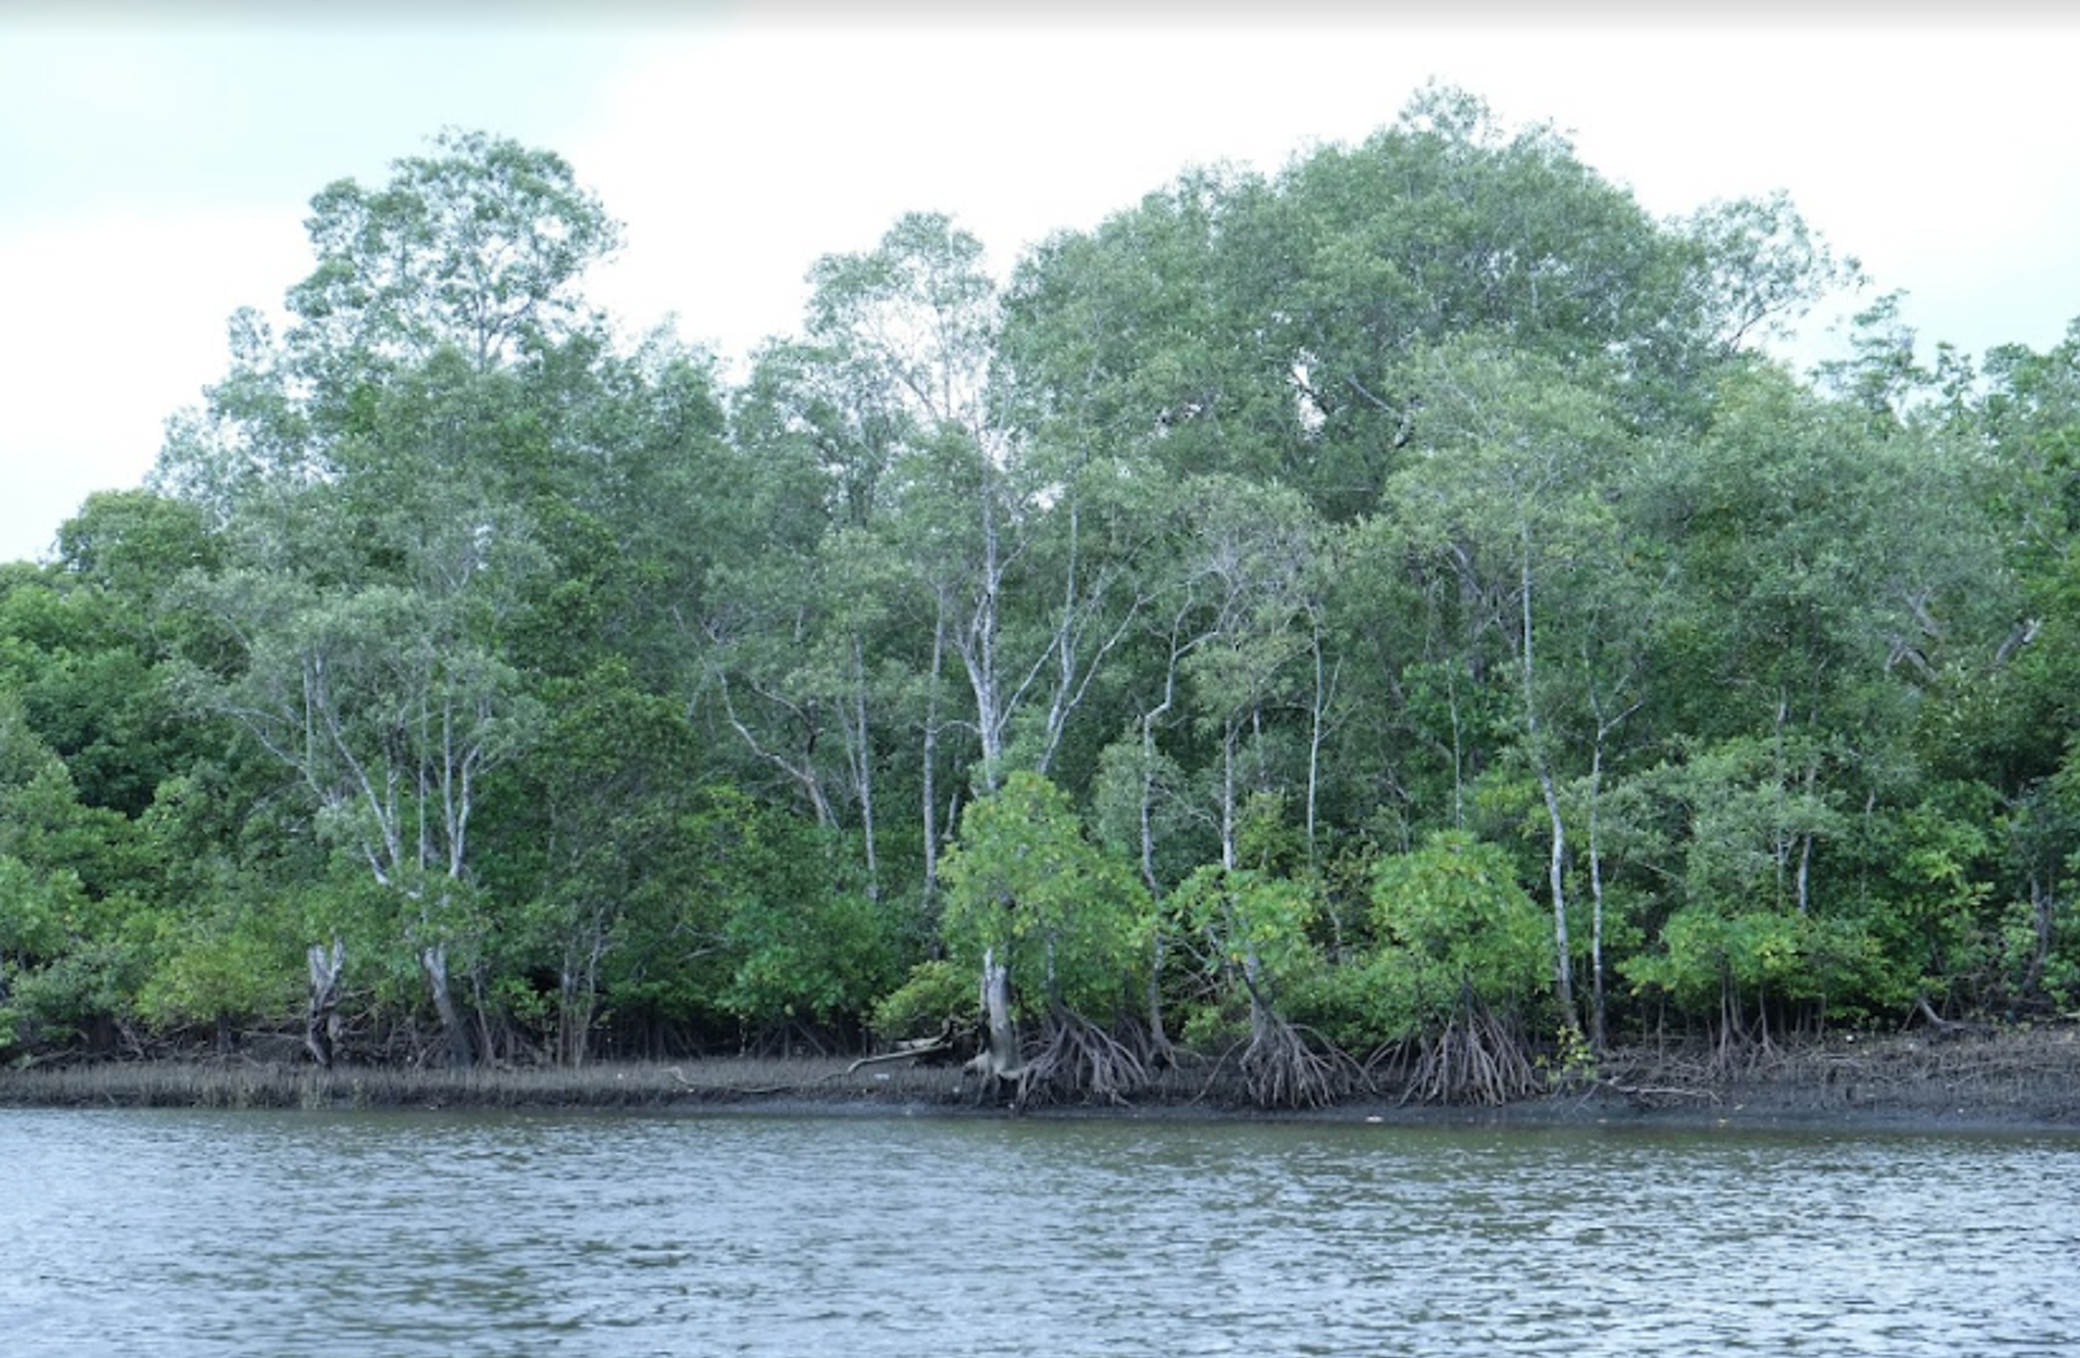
{"x":156,"y":162}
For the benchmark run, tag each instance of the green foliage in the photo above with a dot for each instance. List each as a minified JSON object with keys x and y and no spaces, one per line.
{"x":1253,"y":927}
{"x":223,"y":962}
{"x":1367,"y":1002}
{"x":1456,"y":902}
{"x":1934,"y":887}
{"x":1723,"y":966}
{"x":935,"y":990}
{"x":1025,"y":886}
{"x":478,"y":246}
{"x":1450,"y":917}
{"x":37,"y":911}
{"x":805,"y":942}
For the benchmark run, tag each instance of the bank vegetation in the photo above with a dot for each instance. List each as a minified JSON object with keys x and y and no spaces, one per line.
{"x":1390,"y":619}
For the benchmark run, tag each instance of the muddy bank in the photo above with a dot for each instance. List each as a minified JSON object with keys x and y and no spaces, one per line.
{"x":2009,"y":1077}
{"x":2019,"y":1079}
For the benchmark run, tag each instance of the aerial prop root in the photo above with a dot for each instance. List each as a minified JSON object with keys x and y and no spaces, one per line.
{"x":1077,"y":1057}
{"x":1281,"y":1068}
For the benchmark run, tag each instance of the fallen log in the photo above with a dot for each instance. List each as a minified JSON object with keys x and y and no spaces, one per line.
{"x":1653,"y":1096}
{"x":943,"y":1043}
{"x":1943,"y":1030}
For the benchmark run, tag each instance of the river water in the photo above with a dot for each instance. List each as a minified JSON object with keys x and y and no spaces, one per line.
{"x":278,"y":1235}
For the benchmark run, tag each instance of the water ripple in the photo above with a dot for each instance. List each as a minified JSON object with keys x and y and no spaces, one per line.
{"x":276,"y":1235}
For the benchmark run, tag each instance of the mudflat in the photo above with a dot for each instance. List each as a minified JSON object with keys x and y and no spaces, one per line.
{"x":2003,"y":1078}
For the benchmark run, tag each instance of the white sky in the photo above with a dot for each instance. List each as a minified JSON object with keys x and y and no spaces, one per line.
{"x":156,"y":162}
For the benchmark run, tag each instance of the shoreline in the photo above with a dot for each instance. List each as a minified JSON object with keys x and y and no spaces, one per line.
{"x":2016,"y":1080}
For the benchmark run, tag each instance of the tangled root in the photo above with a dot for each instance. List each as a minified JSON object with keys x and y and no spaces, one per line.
{"x":1281,"y":1070}
{"x":1476,"y":1058}
{"x":1079,"y":1060}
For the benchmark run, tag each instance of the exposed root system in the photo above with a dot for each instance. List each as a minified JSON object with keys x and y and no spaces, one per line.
{"x":1281,"y":1069}
{"x":1478,"y":1057}
{"x":1079,"y":1060}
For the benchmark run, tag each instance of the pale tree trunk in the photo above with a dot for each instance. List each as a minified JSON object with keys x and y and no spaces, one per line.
{"x":1074,"y":670}
{"x":1004,"y":685}
{"x":800,"y":769}
{"x":863,"y":765}
{"x":321,"y":1024}
{"x":433,"y":962}
{"x":2043,"y":903}
{"x":1556,"y":862}
{"x":1804,"y":884}
{"x":1230,"y":729}
{"x":978,"y":649}
{"x":447,"y":752}
{"x":1556,"y":876}
{"x":1597,"y":1011}
{"x":929,"y":773}
{"x":1001,"y":1059}
{"x":1782,"y":836}
{"x":1607,"y":724}
{"x":577,"y":986}
{"x":1317,"y":730}
{"x":1146,"y":816}
{"x":576,"y":999}
{"x":490,"y":1026}
{"x":1066,"y":693}
{"x":1146,"y":810}
{"x":1451,"y":693}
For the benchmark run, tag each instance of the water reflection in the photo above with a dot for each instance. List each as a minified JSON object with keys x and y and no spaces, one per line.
{"x":281,"y":1234}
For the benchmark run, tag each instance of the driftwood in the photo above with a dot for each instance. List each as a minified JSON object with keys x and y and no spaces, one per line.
{"x":944,"y":1045}
{"x":1658,"y":1096}
{"x":753,"y":1091}
{"x":1942,"y":1029}
{"x":947,"y":1045}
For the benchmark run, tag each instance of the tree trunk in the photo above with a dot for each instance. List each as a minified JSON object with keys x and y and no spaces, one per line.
{"x":1599,"y":1017}
{"x":863,"y":766}
{"x":433,"y":961}
{"x":2043,"y":909}
{"x":979,"y":650}
{"x":928,"y":772}
{"x":1805,"y":851}
{"x":489,"y":1032}
{"x":577,"y":986}
{"x":1000,"y":1059}
{"x":321,"y":1024}
{"x":1597,"y":1006}
{"x":1556,"y":874}
{"x":1317,"y":732}
{"x":575,"y":1001}
{"x":1159,"y":1039}
{"x":1556,"y":866}
{"x":1230,"y":730}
